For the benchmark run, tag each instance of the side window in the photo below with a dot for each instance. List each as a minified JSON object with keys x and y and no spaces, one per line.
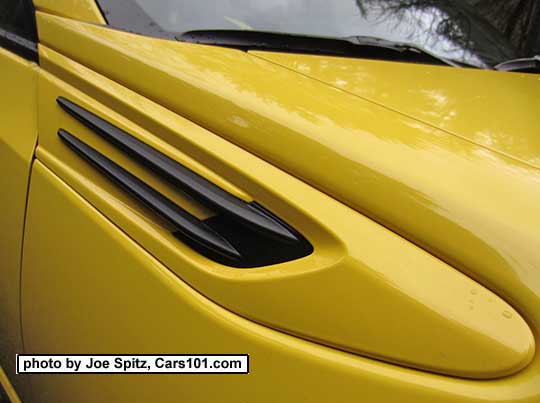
{"x":18,"y":27}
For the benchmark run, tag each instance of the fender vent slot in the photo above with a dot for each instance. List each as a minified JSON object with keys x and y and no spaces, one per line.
{"x":241,"y":235}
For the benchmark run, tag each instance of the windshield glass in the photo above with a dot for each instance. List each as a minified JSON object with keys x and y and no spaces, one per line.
{"x":482,"y":33}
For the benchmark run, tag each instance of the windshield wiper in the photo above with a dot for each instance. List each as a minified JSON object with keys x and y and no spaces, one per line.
{"x":354,"y":46}
{"x":527,"y":64}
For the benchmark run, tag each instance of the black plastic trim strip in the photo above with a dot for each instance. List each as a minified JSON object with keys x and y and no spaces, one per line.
{"x":193,"y":184}
{"x":195,"y":231}
{"x":19,"y":45}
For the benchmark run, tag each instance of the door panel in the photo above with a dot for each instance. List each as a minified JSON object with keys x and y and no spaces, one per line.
{"x":18,"y":137}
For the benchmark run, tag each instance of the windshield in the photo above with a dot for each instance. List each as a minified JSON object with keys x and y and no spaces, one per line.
{"x":481,"y":33}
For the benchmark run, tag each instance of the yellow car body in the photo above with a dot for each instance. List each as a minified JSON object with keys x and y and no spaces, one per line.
{"x":417,"y":186}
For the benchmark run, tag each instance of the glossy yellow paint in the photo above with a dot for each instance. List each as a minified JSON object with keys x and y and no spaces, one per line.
{"x":448,"y":195}
{"x":497,"y":346}
{"x":122,"y":300}
{"x":496,"y":110}
{"x":83,"y":10}
{"x":364,"y":272}
{"x":240,"y":291}
{"x":18,"y":136}
{"x":448,"y":189}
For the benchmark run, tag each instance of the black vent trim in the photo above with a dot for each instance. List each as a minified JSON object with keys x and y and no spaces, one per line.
{"x":241,"y":235}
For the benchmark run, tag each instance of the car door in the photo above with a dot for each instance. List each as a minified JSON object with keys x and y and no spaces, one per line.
{"x":18,"y":136}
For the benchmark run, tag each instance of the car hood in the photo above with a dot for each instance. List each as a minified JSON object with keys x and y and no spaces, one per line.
{"x":496,"y":110}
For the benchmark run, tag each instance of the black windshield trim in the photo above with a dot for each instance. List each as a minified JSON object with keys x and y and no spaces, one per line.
{"x":128,"y":16}
{"x":294,"y":43}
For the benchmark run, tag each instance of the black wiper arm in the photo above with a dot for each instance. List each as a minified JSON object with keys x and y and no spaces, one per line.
{"x":527,"y":64}
{"x":355,"y":46}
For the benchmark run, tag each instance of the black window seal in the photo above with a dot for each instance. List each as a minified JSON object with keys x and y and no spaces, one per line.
{"x":26,"y":48}
{"x":19,"y":45}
